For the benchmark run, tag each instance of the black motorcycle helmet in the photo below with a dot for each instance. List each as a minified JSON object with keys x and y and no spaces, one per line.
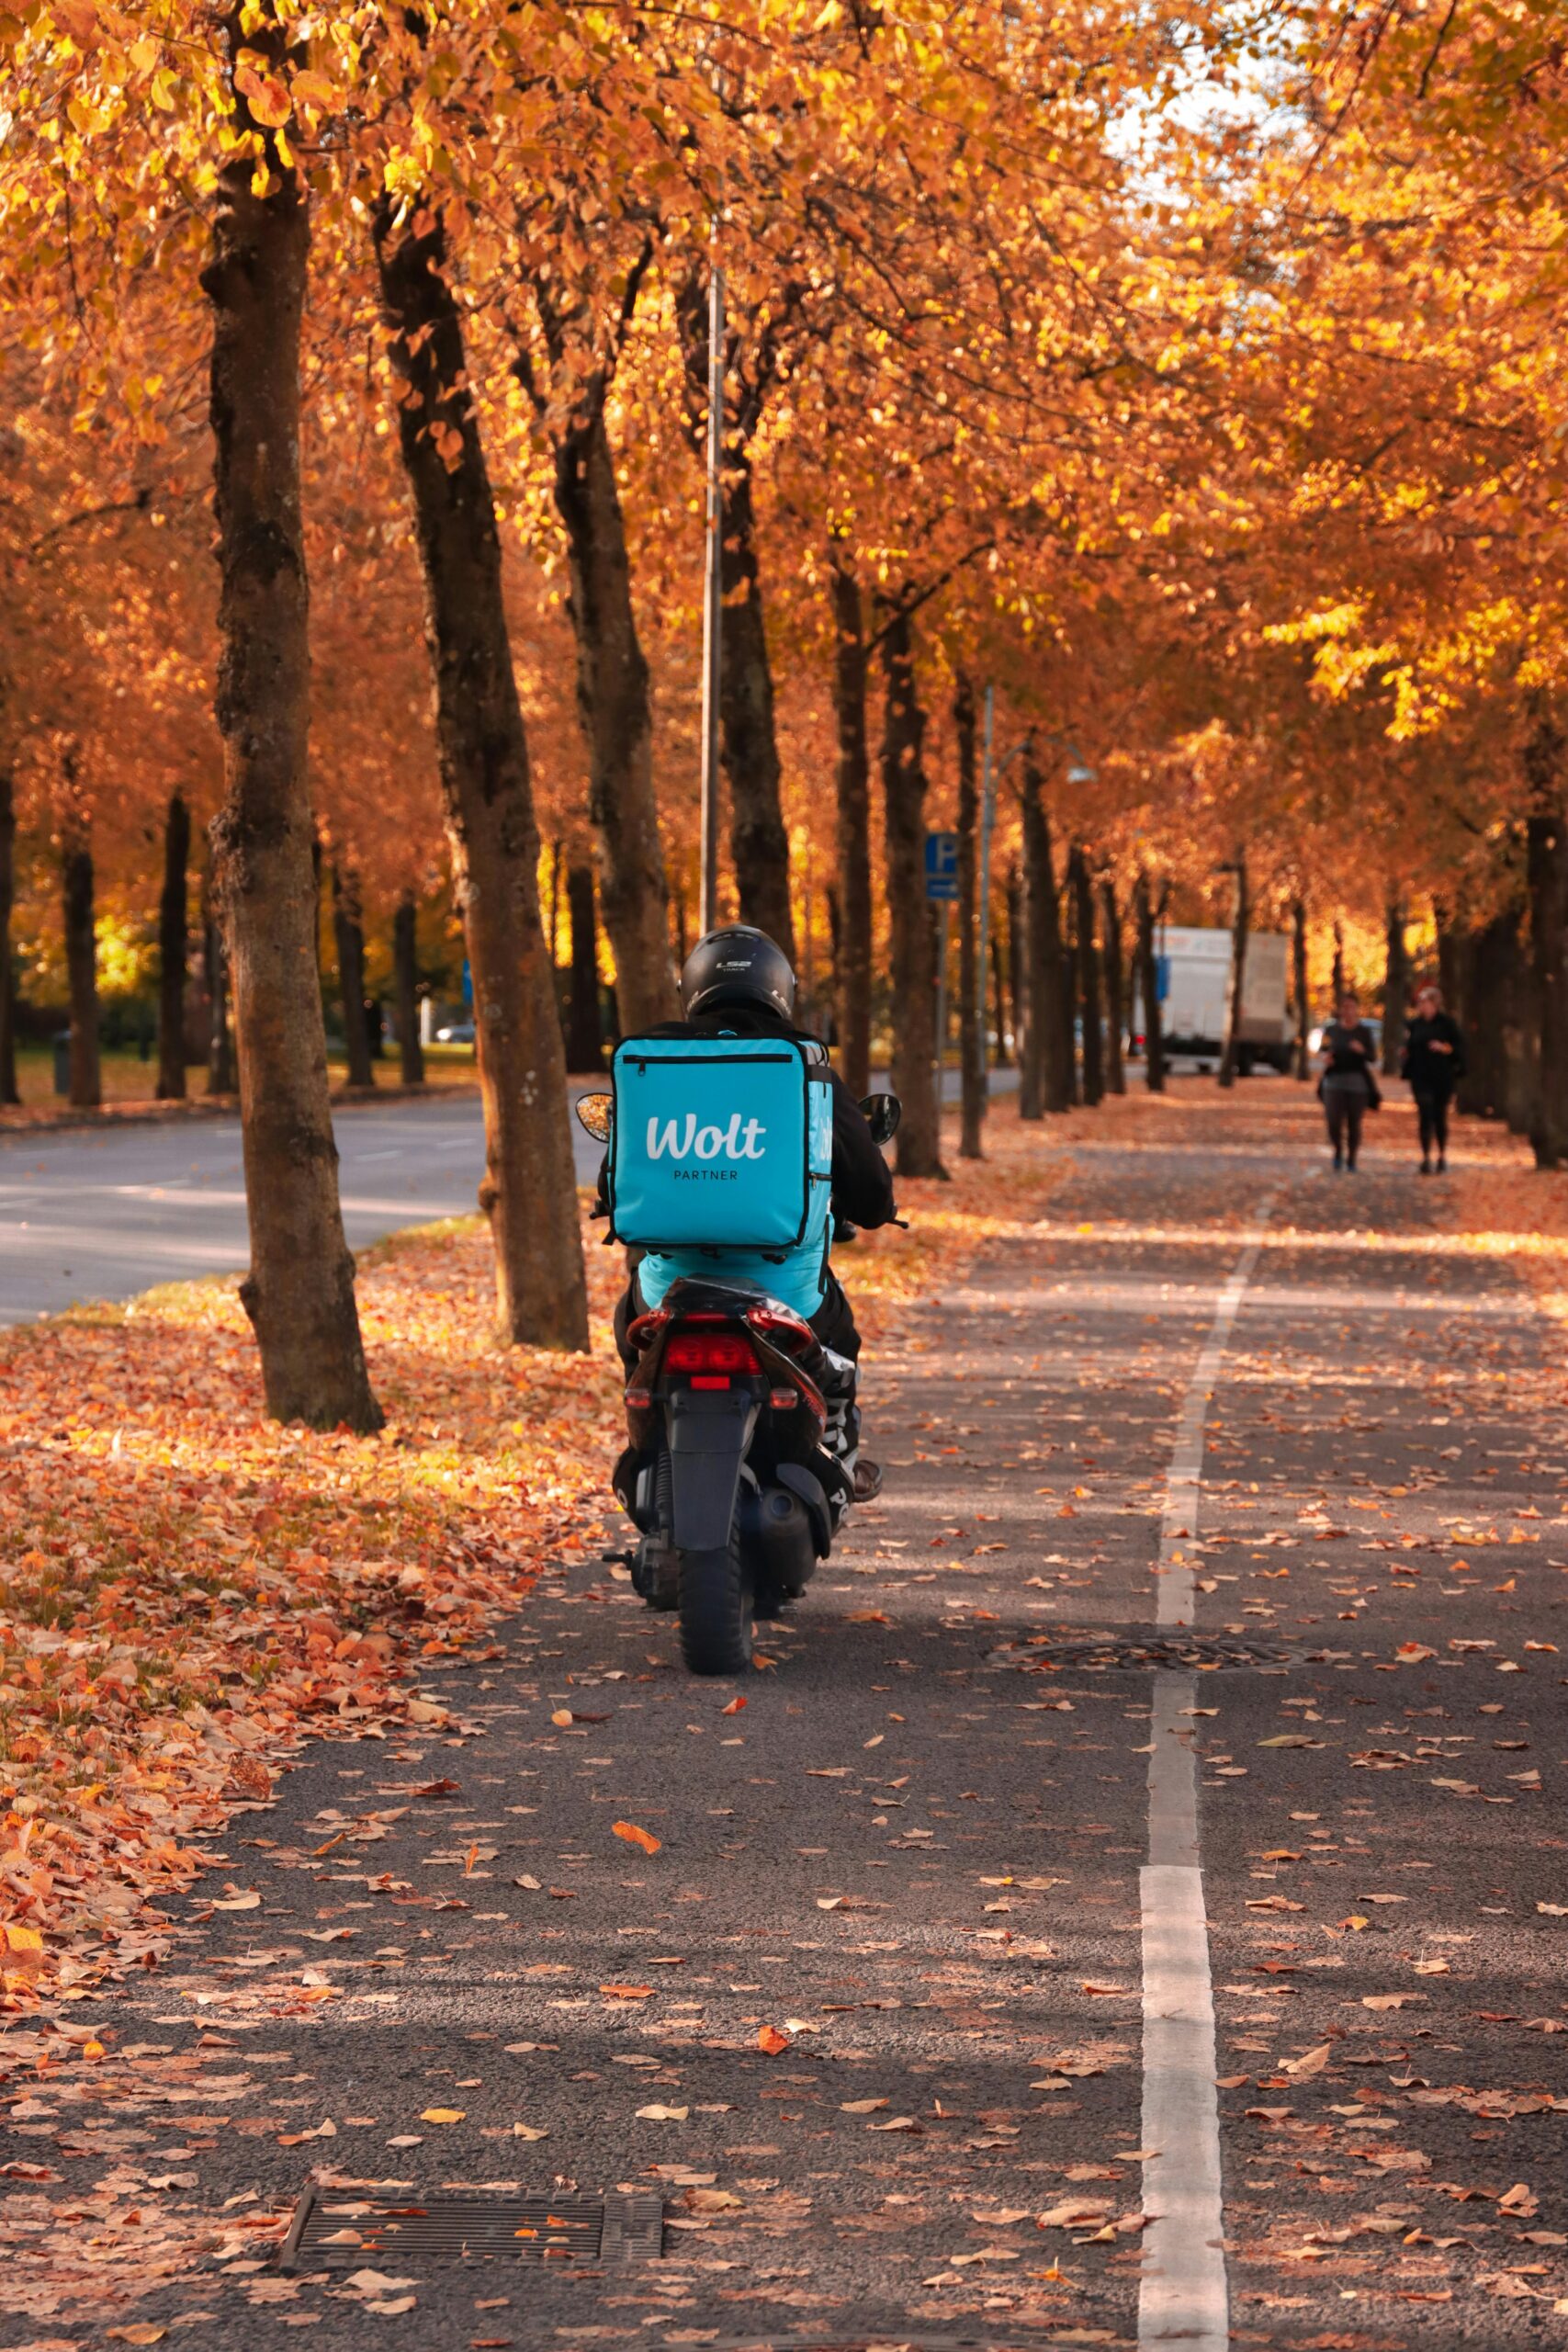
{"x":738,"y":966}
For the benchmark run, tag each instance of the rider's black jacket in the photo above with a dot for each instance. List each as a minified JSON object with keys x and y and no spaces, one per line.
{"x":863,"y":1182}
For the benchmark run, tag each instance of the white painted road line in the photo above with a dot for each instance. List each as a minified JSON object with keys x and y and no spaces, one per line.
{"x":1174,"y":1593}
{"x":1183,"y":2293}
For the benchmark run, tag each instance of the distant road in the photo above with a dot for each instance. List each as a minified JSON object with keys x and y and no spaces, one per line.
{"x":93,"y":1212}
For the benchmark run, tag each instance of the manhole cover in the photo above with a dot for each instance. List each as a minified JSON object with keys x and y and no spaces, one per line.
{"x":1108,"y":1653}
{"x":337,"y":2232}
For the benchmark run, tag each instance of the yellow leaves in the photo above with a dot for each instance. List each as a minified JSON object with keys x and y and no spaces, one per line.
{"x":443,"y":2114}
{"x":636,"y":1837}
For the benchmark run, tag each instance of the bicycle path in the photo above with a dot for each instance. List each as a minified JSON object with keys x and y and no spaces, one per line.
{"x":993,"y":1872}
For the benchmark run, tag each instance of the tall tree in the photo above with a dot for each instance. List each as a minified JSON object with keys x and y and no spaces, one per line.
{"x":913,"y":958}
{"x":405,"y":977}
{"x":1235,"y":987}
{"x":853,"y":933}
{"x":1302,"y":1058}
{"x":299,"y":1291}
{"x":1546,"y":754}
{"x":585,"y":1035}
{"x":8,"y":1093}
{"x":529,"y":1191}
{"x":1396,"y":985}
{"x":613,"y":695}
{"x":759,"y":841}
{"x":1115,"y":1005}
{"x":1148,"y":984}
{"x":1050,"y":1024}
{"x":79,"y":920}
{"x":348,"y":938}
{"x":971,"y":1065}
{"x":1092,"y":1036}
{"x":173,"y":924}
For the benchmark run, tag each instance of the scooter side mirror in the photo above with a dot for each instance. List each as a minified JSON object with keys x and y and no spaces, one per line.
{"x":883,"y":1112}
{"x":593,"y":1114}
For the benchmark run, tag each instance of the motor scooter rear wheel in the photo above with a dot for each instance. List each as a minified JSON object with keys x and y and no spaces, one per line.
{"x":717,"y":1607}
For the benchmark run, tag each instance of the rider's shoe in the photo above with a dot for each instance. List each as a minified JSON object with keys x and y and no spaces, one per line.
{"x":868,"y":1480}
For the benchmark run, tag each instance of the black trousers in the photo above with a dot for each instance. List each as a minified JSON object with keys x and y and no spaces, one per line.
{"x":1345,"y":1113}
{"x":1432,"y":1113}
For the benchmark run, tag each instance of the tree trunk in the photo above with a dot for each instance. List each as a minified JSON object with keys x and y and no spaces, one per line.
{"x":1396,"y":988}
{"x":585,"y":1042}
{"x":854,"y":939}
{"x":348,"y":938}
{"x":913,"y":939}
{"x":1082,"y":890}
{"x":1001,"y":1058}
{"x":1230,"y":1058}
{"x":613,"y":705}
{"x":300,"y":1292}
{"x":1016,"y":962}
{"x":405,"y":972}
{"x":971,"y":999}
{"x":8,"y":1093}
{"x":214,"y":965}
{"x":1115,"y":996}
{"x":1546,"y":841}
{"x":529,"y":1190}
{"x":80,"y":965}
{"x":1447,"y":959}
{"x":1050,"y":1008}
{"x":173,"y":921}
{"x":1336,"y":983}
{"x":1299,"y":982}
{"x":758,"y":842}
{"x":1032,"y":994}
{"x":553,"y":933}
{"x":1148,"y":987}
{"x":1490,"y":959}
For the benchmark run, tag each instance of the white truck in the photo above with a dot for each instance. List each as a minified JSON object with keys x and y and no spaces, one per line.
{"x":1194,"y":969}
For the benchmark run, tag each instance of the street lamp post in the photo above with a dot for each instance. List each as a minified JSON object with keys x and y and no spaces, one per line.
{"x":713,"y":600}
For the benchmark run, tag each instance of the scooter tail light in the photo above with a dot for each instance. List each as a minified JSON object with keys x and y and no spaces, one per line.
{"x":709,"y":1351}
{"x":639,"y":1398}
{"x":784,"y":1400}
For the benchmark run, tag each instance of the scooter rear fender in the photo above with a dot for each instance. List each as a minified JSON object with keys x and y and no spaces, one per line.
{"x":710,"y":1432}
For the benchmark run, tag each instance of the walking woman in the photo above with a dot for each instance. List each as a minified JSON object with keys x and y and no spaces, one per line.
{"x":1348,"y":1088}
{"x":1433,"y":1061}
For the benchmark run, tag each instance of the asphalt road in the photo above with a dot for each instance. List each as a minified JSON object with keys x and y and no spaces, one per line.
{"x":879,"y":2019}
{"x":105,"y":1212}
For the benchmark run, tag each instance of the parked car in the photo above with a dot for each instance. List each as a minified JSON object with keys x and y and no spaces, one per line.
{"x":456,"y":1033}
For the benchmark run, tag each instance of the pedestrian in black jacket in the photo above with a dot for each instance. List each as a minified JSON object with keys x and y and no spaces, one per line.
{"x":1433,"y":1061}
{"x":1348,"y":1086}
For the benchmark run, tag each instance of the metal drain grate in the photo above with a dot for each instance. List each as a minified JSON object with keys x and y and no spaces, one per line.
{"x":1110,"y":1653}
{"x":334,"y":2232}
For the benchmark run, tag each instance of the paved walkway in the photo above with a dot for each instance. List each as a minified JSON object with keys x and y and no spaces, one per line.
{"x":1019,"y":1964}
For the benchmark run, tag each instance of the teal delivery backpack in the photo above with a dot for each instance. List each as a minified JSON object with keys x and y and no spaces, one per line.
{"x":720,"y":1143}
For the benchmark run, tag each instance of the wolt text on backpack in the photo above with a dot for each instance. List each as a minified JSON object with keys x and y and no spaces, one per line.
{"x":721,"y":1161}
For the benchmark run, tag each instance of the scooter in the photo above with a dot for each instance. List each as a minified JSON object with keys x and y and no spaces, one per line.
{"x":726,"y":1475}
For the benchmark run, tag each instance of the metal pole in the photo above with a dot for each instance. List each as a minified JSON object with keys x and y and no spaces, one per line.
{"x":713,"y":600}
{"x":987,"y":819}
{"x":942,"y":1001}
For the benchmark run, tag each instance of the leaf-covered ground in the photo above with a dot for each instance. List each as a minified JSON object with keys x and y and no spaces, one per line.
{"x":183,"y":1585}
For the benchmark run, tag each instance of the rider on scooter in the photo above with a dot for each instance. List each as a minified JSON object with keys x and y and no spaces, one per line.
{"x":738,"y":983}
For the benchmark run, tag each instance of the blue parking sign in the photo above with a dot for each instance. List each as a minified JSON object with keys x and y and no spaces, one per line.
{"x":942,"y":865}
